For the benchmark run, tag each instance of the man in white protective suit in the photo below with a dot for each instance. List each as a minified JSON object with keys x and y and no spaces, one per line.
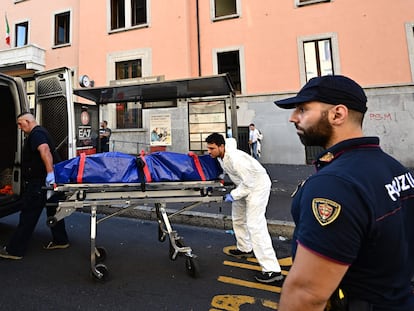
{"x":249,"y":200}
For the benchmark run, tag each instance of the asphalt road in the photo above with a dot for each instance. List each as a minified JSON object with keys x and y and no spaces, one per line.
{"x":141,"y":275}
{"x":285,"y":179}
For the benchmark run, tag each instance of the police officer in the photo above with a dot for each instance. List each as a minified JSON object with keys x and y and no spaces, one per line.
{"x":353,"y":243}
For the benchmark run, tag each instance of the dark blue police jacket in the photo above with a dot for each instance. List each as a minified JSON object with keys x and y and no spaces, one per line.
{"x":358,"y":209}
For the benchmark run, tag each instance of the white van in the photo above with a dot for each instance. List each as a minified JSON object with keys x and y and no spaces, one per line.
{"x":54,"y":110}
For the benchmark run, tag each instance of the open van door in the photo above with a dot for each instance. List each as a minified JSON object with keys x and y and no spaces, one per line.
{"x":13,"y":102}
{"x":54,"y":108}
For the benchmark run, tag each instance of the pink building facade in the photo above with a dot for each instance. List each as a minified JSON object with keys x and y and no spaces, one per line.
{"x":270,"y":48}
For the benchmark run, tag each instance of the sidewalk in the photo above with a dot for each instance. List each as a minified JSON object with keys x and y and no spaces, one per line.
{"x":285,"y":179}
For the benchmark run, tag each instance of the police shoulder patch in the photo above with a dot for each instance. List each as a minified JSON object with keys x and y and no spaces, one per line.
{"x":325,"y":210}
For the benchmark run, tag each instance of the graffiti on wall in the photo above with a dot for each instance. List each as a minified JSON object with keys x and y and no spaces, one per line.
{"x":380,"y":116}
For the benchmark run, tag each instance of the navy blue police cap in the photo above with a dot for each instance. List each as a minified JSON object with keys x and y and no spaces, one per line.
{"x":331,"y":89}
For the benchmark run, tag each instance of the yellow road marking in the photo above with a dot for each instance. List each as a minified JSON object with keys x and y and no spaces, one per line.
{"x":234,"y":281}
{"x":234,"y":302}
{"x":231,"y":302}
{"x":242,"y":265}
{"x":270,"y":304}
{"x":287,"y":261}
{"x":254,"y":259}
{"x":246,"y":266}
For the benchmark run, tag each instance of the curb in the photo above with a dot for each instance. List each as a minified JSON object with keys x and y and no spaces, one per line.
{"x":277,"y":228}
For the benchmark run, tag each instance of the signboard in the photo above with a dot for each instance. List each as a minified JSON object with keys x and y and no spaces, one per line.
{"x":86,"y":122}
{"x":160,"y":134}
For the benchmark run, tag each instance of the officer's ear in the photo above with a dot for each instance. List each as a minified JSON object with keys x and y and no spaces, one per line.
{"x":338,"y":113}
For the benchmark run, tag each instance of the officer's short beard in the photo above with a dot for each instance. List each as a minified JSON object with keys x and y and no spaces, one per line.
{"x":318,"y":134}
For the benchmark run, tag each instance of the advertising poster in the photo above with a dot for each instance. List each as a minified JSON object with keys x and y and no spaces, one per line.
{"x":160,"y":125}
{"x":86,"y":122}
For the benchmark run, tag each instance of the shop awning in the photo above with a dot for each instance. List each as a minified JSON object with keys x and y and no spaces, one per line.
{"x":210,"y":86}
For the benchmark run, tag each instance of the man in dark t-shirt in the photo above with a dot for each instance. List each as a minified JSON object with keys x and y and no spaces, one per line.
{"x":37,"y":172}
{"x":104,"y":136}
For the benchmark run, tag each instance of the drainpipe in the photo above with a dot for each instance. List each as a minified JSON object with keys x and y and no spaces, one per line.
{"x":198,"y":40}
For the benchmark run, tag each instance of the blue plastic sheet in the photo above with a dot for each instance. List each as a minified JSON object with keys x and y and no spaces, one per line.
{"x":116,"y":167}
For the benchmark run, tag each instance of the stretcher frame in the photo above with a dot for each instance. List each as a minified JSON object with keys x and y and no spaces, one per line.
{"x":129,"y":196}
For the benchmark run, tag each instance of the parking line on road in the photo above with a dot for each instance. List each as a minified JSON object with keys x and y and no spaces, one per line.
{"x":234,"y":281}
{"x":247,"y":266}
{"x":287,"y":261}
{"x":242,"y":265}
{"x":238,"y":302}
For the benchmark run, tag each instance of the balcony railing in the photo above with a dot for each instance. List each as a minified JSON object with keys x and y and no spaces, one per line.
{"x":32,"y":56}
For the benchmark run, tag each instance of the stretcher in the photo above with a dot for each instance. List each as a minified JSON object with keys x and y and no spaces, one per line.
{"x":126,"y":196}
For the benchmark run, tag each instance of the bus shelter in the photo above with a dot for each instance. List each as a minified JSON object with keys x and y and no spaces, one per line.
{"x":160,"y":94}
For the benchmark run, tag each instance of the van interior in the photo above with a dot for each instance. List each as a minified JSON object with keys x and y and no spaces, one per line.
{"x":9,"y":140}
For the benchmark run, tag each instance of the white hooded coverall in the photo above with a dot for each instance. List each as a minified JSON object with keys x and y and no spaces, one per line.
{"x":251,"y":196}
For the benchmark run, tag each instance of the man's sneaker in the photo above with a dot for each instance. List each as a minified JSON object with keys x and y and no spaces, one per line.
{"x":4,"y":254}
{"x":53,"y":245}
{"x":270,"y":277}
{"x":239,"y":254}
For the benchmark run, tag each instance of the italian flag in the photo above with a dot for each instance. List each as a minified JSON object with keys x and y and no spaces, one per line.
{"x":7,"y":31}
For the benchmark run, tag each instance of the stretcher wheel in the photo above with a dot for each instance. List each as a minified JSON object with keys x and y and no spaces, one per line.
{"x":51,"y":221}
{"x":191,"y":266}
{"x":100,"y":254}
{"x":101,"y":268}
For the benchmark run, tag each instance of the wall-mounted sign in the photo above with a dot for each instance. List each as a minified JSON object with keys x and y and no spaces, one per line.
{"x":160,"y":130}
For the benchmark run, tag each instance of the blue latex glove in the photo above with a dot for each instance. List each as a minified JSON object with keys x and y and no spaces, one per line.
{"x":50,"y":179}
{"x":228,"y":198}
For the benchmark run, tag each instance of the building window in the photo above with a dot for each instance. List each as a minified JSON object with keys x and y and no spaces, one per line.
{"x":318,"y":55}
{"x":117,"y":14}
{"x":223,"y":9}
{"x":409,"y":31}
{"x":128,"y":115}
{"x":62,"y":28}
{"x":138,"y":12}
{"x":205,"y":118}
{"x":318,"y":58}
{"x":229,"y":62}
{"x":128,"y":13}
{"x":22,"y":31}
{"x":306,"y":2}
{"x":129,"y":69}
